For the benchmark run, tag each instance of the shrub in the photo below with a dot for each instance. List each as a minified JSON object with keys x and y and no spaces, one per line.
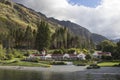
{"x":58,"y":52}
{"x":92,"y":51}
{"x":16,"y":61}
{"x":26,"y":54}
{"x":2,"y":56}
{"x":117,"y":65}
{"x":64,"y":50}
{"x":85,"y":51}
{"x":80,"y":64}
{"x":58,"y":63}
{"x":17,"y":54}
{"x":104,"y":57}
{"x":93,"y":66}
{"x":32,"y":59}
{"x":9,"y":56}
{"x":36,"y":59}
{"x":71,"y":50}
{"x":88,"y":57}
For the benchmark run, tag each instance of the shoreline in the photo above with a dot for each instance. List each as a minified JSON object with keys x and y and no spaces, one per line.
{"x":66,"y":69}
{"x":70,"y":68}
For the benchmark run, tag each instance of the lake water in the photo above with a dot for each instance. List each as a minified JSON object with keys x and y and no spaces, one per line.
{"x":105,"y":73}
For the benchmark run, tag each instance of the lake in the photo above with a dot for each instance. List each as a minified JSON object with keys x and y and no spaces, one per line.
{"x":79,"y":73}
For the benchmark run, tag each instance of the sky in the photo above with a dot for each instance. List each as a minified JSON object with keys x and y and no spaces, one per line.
{"x":98,"y":16}
{"x":89,"y":3}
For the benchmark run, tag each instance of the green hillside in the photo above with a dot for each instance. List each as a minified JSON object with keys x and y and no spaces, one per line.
{"x":14,"y":15}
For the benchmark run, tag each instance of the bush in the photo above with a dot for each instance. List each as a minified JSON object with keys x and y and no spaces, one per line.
{"x":85,"y":51}
{"x":64,"y":50}
{"x":32,"y":59}
{"x":88,"y":57}
{"x":93,"y":66}
{"x":58,"y":63}
{"x":89,"y":67}
{"x":17,"y":54}
{"x":58,"y":52}
{"x":72,"y":50}
{"x":80,"y":64}
{"x":16,"y":61}
{"x":2,"y":56}
{"x":9,"y":56}
{"x":27,"y":53}
{"x":117,"y":65}
{"x":104,"y":57}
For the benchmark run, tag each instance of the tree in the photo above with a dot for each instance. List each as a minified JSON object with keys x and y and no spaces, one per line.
{"x":116,"y":52}
{"x":107,"y":46}
{"x":19,"y":38}
{"x":88,"y":57}
{"x":43,"y":36}
{"x":28,"y":36}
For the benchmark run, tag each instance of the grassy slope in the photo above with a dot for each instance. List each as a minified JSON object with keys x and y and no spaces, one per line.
{"x":19,"y":16}
{"x":17,"y":62}
{"x":109,"y":64}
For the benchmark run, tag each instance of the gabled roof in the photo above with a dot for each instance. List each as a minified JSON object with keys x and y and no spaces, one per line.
{"x":81,"y":54}
{"x":48,"y":55}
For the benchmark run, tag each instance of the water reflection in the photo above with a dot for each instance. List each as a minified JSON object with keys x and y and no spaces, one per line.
{"x":47,"y":75}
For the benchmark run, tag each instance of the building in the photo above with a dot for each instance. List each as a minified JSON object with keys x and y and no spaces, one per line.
{"x":66,"y":56}
{"x":48,"y":57}
{"x":100,"y":54}
{"x":81,"y":56}
{"x":57,"y":56}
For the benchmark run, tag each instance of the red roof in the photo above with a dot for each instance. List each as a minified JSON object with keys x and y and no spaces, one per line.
{"x":104,"y":53}
{"x":73,"y":55}
{"x":38,"y":55}
{"x":57,"y":54}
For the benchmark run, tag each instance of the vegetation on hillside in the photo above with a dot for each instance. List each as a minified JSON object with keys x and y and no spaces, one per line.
{"x":24,"y":29}
{"x":16,"y":19}
{"x":108,"y":46}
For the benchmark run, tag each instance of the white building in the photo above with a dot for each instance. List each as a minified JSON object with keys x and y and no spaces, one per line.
{"x":48,"y":57}
{"x":95,"y":54}
{"x":81,"y":56}
{"x":66,"y":56}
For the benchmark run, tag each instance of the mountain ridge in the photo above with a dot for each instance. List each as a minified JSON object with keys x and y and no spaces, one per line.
{"x":20,"y":15}
{"x":79,"y":30}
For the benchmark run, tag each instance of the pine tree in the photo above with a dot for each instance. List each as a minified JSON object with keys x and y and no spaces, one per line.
{"x":19,"y":37}
{"x":28,"y":36}
{"x":43,"y":36}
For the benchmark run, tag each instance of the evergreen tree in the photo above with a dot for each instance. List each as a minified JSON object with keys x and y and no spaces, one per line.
{"x":19,"y":38}
{"x":28,"y":36}
{"x":43,"y":36}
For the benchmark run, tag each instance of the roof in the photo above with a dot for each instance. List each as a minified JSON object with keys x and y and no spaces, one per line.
{"x":72,"y":55}
{"x":38,"y":55}
{"x":104,"y":53}
{"x":81,"y":54}
{"x":57,"y":54}
{"x":48,"y":55}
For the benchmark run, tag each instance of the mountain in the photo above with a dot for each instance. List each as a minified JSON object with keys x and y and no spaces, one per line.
{"x":80,"y":31}
{"x":14,"y":15}
{"x":116,"y":40}
{"x":97,"y":38}
{"x":75,"y":28}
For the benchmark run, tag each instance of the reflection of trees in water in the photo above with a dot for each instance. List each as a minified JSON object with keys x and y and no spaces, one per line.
{"x":56,"y":76}
{"x":39,"y":75}
{"x":117,"y":77}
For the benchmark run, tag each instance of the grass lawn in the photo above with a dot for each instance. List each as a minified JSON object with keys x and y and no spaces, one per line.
{"x":16,"y":62}
{"x":108,"y":64}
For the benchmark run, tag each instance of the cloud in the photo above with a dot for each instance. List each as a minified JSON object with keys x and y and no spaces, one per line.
{"x":103,"y":19}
